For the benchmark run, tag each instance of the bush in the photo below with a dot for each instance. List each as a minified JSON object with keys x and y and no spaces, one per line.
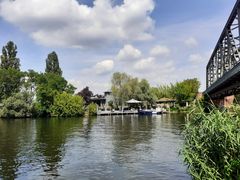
{"x":17,"y":106}
{"x":67,"y":105}
{"x":92,"y":109}
{"x":212,"y":144}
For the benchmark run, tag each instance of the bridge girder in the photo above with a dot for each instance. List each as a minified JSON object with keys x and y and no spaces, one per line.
{"x":225,"y":59}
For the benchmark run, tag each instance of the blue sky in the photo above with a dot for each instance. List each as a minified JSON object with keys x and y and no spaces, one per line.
{"x":163,"y":41}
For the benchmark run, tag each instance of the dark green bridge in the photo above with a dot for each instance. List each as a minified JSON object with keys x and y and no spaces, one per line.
{"x":223,"y":68}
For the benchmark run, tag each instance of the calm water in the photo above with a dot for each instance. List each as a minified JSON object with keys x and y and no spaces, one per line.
{"x":120,"y":147}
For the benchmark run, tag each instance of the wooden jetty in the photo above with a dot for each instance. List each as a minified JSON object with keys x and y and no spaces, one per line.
{"x":112,"y":113}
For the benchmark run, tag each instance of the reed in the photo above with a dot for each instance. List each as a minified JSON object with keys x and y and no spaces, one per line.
{"x":212,"y":143}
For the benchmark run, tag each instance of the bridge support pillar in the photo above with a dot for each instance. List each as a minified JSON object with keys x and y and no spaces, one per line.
{"x":224,"y":102}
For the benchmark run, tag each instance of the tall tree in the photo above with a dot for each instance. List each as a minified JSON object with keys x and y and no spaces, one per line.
{"x":121,"y":89}
{"x":10,"y":75}
{"x":9,"y":57}
{"x":52,"y":64}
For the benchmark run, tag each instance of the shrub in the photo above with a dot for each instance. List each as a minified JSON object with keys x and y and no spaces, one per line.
{"x":67,"y":105}
{"x":17,"y":106}
{"x":212,"y":144}
{"x":92,"y":109}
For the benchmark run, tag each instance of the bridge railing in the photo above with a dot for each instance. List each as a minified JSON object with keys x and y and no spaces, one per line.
{"x":227,"y":51}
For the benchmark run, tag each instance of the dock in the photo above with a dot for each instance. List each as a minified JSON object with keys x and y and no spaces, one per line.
{"x":126,"y":112}
{"x":112,"y":113}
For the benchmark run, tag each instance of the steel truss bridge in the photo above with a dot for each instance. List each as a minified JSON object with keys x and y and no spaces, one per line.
{"x":223,"y":68}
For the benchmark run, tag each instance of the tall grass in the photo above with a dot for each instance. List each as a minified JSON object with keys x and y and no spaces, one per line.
{"x":212,"y":144}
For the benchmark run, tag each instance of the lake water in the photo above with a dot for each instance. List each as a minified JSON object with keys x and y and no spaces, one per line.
{"x":118,"y":147}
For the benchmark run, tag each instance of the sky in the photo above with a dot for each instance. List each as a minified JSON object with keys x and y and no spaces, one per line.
{"x":163,"y":41}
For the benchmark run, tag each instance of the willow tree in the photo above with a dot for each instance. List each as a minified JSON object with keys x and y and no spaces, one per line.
{"x":52,"y":64}
{"x":120,"y":88}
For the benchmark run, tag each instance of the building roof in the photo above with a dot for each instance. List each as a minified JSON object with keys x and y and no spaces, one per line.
{"x":133,"y":101}
{"x":164,"y":100}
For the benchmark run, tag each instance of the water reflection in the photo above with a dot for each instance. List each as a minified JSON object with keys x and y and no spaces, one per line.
{"x":128,"y":133}
{"x":118,"y":147}
{"x":14,"y":136}
{"x":50,"y":140}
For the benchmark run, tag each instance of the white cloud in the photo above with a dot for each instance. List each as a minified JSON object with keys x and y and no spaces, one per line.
{"x":103,"y":67}
{"x":191,"y":42}
{"x":70,"y":24}
{"x":97,"y":87}
{"x":144,"y":64}
{"x":160,"y":51}
{"x":128,"y":53}
{"x":197,"y":58}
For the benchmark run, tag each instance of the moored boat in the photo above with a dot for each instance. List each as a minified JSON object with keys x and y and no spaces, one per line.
{"x":145,"y":112}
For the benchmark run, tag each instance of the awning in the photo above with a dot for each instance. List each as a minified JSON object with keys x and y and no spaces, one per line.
{"x":133,"y":101}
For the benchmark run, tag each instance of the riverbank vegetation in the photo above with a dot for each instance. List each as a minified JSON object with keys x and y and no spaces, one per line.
{"x":212,"y":143}
{"x":125,"y":87}
{"x":27,"y":94}
{"x":30,"y":93}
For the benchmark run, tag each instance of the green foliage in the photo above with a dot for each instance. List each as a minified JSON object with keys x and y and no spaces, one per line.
{"x":48,"y":86}
{"x":92,"y":109}
{"x":186,"y":90}
{"x":145,"y":93}
{"x":125,"y":87}
{"x":182,"y":91}
{"x":52,"y":64}
{"x":14,"y":85}
{"x":67,"y":105}
{"x":29,"y":81}
{"x":120,"y":88}
{"x":164,"y":91}
{"x":10,"y":75}
{"x":212,"y":144}
{"x":10,"y":82}
{"x":18,"y":105}
{"x":9,"y":57}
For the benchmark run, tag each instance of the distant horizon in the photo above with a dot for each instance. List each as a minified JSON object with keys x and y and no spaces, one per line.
{"x":161,"y":41}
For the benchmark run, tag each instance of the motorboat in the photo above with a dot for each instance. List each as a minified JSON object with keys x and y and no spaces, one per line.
{"x":145,"y":112}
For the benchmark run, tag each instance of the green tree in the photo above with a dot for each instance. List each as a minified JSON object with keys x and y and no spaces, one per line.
{"x":52,"y":64}
{"x":19,"y":105}
{"x":163,"y":91}
{"x":67,"y":105}
{"x":10,"y":75}
{"x":135,"y":89}
{"x":9,"y":57}
{"x":125,"y":87}
{"x":120,"y":88}
{"x":186,"y":90}
{"x":30,"y":80}
{"x":145,"y":92}
{"x":48,"y":86}
{"x":92,"y":109}
{"x":10,"y":82}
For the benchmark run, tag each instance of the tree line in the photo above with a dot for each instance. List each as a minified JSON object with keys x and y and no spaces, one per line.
{"x":29,"y":93}
{"x":125,"y":87}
